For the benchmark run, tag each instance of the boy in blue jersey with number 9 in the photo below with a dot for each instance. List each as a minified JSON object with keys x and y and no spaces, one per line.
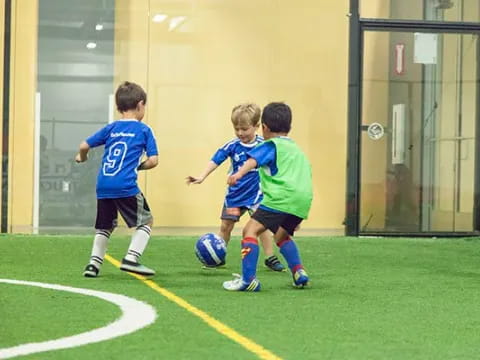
{"x":246,"y":194}
{"x":126,"y":142}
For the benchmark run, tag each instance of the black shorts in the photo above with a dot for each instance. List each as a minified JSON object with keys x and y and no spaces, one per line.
{"x":134,"y":210}
{"x":274,"y":220}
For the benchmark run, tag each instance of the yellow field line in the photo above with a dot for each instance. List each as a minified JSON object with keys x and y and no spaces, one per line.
{"x":223,"y":329}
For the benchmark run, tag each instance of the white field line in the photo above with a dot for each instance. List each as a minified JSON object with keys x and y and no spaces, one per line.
{"x":135,"y":315}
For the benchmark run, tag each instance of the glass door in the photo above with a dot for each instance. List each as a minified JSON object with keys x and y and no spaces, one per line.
{"x":75,"y":79}
{"x":419,"y":117}
{"x":84,"y":52}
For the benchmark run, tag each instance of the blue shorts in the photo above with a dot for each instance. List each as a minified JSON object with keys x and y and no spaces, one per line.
{"x":235,"y":213}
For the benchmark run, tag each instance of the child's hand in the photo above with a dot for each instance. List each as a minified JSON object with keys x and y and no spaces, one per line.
{"x":80,"y":159}
{"x":193,"y":180}
{"x":232,"y":179}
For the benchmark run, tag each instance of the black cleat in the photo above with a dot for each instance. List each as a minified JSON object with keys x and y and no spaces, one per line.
{"x":274,"y":264}
{"x":90,"y":271}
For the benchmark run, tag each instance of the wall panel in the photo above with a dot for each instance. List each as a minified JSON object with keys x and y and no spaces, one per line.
{"x":23,"y":80}
{"x":220,"y":55}
{"x":2,"y":45}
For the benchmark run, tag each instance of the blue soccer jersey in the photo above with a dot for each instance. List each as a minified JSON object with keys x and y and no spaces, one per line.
{"x":266,"y":156}
{"x":246,"y":192}
{"x":126,"y":141}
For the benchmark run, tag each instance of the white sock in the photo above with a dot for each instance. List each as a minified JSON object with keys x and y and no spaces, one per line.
{"x":138,"y":243}
{"x":99,"y":247}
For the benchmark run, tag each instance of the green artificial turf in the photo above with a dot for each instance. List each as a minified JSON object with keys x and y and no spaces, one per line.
{"x":378,"y":298}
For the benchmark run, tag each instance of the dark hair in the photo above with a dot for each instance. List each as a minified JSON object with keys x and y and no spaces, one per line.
{"x":128,"y":96}
{"x":277,"y":116}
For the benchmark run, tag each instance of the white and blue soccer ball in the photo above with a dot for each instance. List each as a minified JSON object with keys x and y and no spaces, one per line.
{"x":211,"y":250}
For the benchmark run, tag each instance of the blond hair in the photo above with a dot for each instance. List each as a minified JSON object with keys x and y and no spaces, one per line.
{"x":246,"y":114}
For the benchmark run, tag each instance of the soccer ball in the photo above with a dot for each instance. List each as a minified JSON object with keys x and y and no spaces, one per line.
{"x":211,"y":250}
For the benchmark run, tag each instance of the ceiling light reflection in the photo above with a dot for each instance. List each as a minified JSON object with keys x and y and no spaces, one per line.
{"x":175,"y":22}
{"x":158,"y":18}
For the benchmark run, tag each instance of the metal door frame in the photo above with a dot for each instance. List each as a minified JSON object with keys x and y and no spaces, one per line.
{"x":358,"y":27}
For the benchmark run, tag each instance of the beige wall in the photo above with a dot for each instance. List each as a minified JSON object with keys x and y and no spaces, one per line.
{"x":375,"y":8}
{"x":220,"y":56}
{"x":23,"y":84}
{"x":131,"y":58}
{"x":230,"y":57}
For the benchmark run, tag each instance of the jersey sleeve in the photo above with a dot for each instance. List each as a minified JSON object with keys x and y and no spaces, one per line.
{"x":220,"y":156}
{"x":265,"y":154}
{"x":151,"y":145}
{"x":223,"y":153}
{"x":100,"y":137}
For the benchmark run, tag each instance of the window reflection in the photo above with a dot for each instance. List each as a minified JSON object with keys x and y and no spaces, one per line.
{"x":75,"y":78}
{"x":445,"y":10}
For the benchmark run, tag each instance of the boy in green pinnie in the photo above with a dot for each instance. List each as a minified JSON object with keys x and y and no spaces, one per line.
{"x":286,"y":182}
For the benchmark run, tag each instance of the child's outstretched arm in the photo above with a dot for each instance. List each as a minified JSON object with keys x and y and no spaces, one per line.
{"x":248,"y":165}
{"x":82,"y":155}
{"x":199,"y":179}
{"x":149,"y":163}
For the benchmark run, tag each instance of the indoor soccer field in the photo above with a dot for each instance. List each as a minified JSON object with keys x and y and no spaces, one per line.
{"x":369,"y":298}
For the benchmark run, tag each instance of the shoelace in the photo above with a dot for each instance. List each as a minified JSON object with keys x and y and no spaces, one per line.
{"x":237,"y":278}
{"x":273,"y":261}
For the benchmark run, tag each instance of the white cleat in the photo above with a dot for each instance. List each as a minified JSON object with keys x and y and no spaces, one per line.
{"x":238,"y":284}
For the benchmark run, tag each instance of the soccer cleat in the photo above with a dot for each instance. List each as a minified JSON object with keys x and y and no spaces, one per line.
{"x":136,"y":268}
{"x":238,"y":284}
{"x":274,"y":264}
{"x":300,"y":278}
{"x":90,"y":271}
